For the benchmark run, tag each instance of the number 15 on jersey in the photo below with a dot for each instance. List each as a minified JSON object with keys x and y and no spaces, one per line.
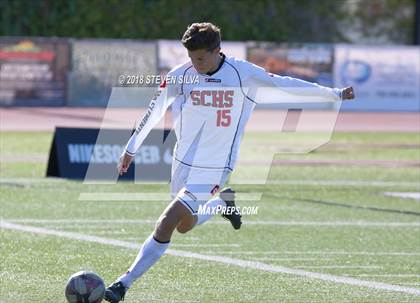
{"x":223,"y":118}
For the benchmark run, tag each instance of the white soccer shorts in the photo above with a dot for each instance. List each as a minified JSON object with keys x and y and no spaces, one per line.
{"x":195,"y":186}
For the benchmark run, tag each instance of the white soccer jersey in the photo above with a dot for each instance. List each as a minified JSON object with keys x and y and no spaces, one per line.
{"x":210,"y":114}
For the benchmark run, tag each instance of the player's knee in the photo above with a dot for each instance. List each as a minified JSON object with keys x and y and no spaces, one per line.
{"x":166,"y":223}
{"x":182,"y":229}
{"x":186,"y":224}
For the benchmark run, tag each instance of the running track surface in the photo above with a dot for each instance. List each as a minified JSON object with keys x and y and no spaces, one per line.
{"x":47,"y":118}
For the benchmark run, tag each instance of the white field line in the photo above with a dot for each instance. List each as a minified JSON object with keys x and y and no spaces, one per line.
{"x":285,"y":223}
{"x":134,"y":238}
{"x":192,"y":238}
{"x":363,"y":253}
{"x":341,"y":266}
{"x":164,"y":197}
{"x":123,"y":196}
{"x":110,"y":232}
{"x":196,"y":245}
{"x":372,"y":183}
{"x":368,"y":183}
{"x":289,"y":259}
{"x":219,"y":259}
{"x":391,"y":276}
{"x":88,"y":228}
{"x":335,"y":223}
{"x":32,"y":180}
{"x":47,"y":180}
{"x":410,"y":284}
{"x":81,"y":221}
{"x":404,"y":195}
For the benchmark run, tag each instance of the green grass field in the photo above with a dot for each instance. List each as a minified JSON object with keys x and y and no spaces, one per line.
{"x":312,"y":219}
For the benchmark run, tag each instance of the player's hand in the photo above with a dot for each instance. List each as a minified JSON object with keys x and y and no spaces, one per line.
{"x":347,"y":93}
{"x":124,"y":164}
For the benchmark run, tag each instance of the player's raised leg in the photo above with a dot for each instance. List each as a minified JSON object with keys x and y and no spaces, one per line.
{"x":151,"y":251}
{"x":226,"y":204}
{"x":223,"y":204}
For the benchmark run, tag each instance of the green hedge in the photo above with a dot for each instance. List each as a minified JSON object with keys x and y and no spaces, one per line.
{"x":263,"y":20}
{"x":282,"y":20}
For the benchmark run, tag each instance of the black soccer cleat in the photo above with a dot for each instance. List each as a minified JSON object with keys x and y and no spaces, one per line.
{"x":232,"y":213}
{"x":115,"y":292}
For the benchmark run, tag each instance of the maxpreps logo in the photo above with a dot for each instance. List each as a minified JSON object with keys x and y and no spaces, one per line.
{"x":355,"y":72}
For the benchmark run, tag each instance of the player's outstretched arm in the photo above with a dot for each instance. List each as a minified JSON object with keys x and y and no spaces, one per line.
{"x":290,"y":90}
{"x":157,"y":108}
{"x":347,"y":93}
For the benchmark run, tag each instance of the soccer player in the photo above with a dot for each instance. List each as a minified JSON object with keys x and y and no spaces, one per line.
{"x":210,"y":118}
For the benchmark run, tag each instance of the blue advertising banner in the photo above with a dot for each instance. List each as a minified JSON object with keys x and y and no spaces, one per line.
{"x":385,"y":78}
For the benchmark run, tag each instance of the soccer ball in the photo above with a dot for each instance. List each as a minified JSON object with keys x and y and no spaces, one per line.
{"x":85,"y":287}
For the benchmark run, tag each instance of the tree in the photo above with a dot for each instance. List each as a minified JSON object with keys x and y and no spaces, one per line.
{"x":383,"y":21}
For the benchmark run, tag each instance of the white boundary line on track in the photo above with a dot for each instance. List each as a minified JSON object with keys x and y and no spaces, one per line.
{"x":283,"y":223}
{"x":219,"y":259}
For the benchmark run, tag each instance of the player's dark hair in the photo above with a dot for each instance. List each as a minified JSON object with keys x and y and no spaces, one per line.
{"x":201,"y":36}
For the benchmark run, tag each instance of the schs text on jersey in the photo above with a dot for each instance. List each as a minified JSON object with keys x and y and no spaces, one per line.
{"x":213,"y":98}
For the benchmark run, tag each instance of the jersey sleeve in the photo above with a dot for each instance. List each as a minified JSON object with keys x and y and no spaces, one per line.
{"x":163,"y":98}
{"x":271,"y":88}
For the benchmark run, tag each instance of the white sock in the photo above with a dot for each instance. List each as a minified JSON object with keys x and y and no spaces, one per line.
{"x":149,"y":254}
{"x":213,"y":204}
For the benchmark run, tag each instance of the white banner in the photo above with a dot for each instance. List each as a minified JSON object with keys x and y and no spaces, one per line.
{"x":385,"y":78}
{"x":98,"y":64}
